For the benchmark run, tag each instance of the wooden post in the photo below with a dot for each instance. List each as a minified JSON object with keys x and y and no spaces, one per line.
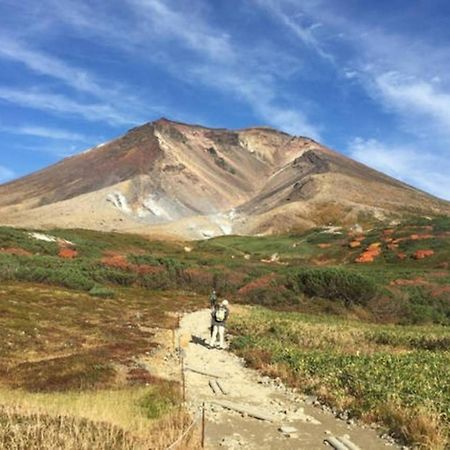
{"x":173,"y":339}
{"x":183,"y":379}
{"x":203,"y":425}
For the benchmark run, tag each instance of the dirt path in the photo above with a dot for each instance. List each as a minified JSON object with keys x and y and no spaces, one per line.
{"x":226,"y":429}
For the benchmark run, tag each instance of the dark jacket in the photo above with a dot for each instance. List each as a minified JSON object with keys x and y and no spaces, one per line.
{"x":213,"y":299}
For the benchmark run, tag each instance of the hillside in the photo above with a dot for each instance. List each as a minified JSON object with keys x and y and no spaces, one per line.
{"x":85,"y":314}
{"x":171,"y":179}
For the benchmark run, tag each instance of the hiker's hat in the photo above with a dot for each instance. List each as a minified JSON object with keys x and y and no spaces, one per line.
{"x":225,"y":302}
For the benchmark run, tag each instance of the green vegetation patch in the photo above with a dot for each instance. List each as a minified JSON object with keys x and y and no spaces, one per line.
{"x":357,"y":367}
{"x":334,"y":283}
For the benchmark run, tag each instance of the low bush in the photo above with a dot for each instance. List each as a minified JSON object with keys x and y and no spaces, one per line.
{"x":102,"y":292}
{"x":332,"y":283}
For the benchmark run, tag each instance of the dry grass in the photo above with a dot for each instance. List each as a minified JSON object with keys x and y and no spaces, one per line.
{"x":419,"y":425}
{"x":103,"y":420}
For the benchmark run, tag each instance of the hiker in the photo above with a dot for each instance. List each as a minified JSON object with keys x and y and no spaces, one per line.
{"x":213,"y":299}
{"x":219,"y":318}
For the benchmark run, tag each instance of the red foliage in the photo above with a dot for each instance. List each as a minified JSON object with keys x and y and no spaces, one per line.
{"x":146,"y":269}
{"x":422,"y":254}
{"x":372,"y":252}
{"x":116,"y":261}
{"x":261,"y":282}
{"x":67,"y":253}
{"x":15,"y":251}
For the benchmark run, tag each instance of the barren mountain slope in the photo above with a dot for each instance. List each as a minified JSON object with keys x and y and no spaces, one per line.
{"x":170,"y":178}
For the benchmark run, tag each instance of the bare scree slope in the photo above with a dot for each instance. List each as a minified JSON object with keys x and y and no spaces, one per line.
{"x":169,"y":178}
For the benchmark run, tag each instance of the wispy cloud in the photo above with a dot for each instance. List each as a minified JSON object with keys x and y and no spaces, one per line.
{"x":172,"y":20}
{"x":45,"y":64}
{"x":114,"y":104}
{"x":6,"y":174}
{"x":57,"y":103}
{"x":45,"y":132}
{"x":407,"y":163}
{"x":290,"y":15}
{"x":231,"y":68}
{"x":248,"y":72}
{"x":413,"y":99}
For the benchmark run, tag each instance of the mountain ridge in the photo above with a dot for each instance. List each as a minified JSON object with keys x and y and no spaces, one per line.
{"x":191,"y":181}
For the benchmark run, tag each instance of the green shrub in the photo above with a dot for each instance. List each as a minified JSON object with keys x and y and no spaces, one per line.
{"x":14,"y":238}
{"x":101,"y":291}
{"x":332,"y":283}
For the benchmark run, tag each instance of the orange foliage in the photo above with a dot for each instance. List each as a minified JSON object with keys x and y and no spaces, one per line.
{"x":67,"y":253}
{"x":421,"y":254}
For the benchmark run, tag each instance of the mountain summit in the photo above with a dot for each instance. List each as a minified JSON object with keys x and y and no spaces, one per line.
{"x":169,"y":178}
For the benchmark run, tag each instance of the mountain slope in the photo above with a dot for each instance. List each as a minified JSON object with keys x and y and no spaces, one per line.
{"x":186,"y":180}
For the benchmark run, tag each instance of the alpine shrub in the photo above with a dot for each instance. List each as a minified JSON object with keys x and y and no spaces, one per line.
{"x":334,"y":284}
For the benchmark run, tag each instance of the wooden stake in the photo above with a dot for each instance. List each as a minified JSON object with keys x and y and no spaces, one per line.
{"x":183,"y":379}
{"x":203,"y":425}
{"x":173,"y":339}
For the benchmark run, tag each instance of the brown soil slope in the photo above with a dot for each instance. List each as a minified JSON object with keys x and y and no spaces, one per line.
{"x":170,"y":178}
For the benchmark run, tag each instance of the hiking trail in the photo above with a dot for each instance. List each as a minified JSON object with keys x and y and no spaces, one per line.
{"x":305,"y":423}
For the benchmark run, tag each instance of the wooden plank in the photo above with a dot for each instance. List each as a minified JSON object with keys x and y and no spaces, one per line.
{"x":222,"y":388}
{"x":348,"y":443}
{"x":335,"y":443}
{"x":202,"y":372}
{"x":214,"y":387}
{"x":253,"y":412}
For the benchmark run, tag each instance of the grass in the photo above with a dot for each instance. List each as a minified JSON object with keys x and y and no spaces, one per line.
{"x":124,"y":419}
{"x":68,"y":367}
{"x":390,"y":374}
{"x":74,"y":322}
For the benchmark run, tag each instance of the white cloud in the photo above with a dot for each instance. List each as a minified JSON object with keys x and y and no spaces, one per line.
{"x":6,"y":174}
{"x":292,"y":21}
{"x":45,"y":132}
{"x":409,"y":164}
{"x":57,"y":103}
{"x":48,"y":65}
{"x":182,"y":24}
{"x":248,"y":71}
{"x":109,"y":101}
{"x":412,"y":98}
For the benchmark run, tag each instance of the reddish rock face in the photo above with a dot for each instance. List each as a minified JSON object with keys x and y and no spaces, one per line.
{"x":422,"y":254}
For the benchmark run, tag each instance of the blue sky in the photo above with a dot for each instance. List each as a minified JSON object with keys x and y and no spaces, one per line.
{"x":370,"y":79}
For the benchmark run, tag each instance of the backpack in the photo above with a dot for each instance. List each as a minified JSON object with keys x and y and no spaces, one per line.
{"x":220,"y":314}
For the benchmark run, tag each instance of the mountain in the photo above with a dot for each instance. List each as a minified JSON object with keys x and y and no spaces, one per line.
{"x":168,"y":178}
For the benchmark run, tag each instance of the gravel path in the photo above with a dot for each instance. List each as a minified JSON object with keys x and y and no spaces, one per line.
{"x":306,"y":426}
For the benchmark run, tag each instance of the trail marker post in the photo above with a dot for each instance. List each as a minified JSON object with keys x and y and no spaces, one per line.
{"x":203,"y":425}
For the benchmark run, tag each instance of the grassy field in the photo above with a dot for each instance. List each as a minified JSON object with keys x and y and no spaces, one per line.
{"x":394,"y":375}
